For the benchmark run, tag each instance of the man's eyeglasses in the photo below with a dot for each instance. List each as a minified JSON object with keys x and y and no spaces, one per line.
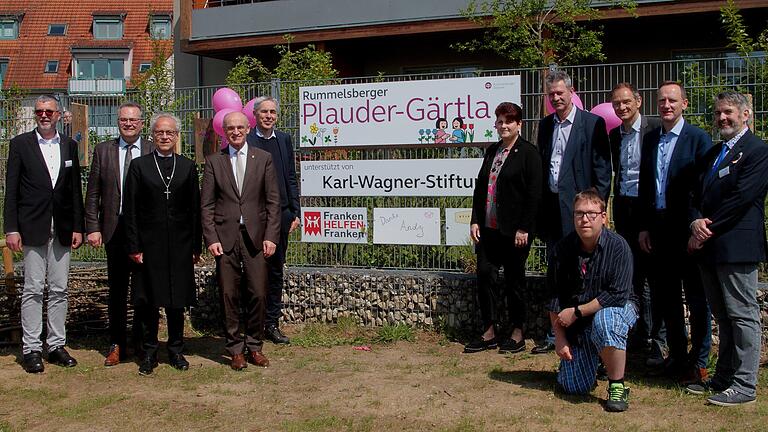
{"x":40,"y":112}
{"x":162,"y":133}
{"x":129,"y":120}
{"x":591,"y":215}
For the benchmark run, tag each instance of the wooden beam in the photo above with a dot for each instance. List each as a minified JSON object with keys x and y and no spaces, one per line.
{"x":185,"y":19}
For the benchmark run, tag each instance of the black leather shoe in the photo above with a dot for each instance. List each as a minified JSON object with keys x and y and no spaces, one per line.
{"x":511,"y":346}
{"x":178,"y":362}
{"x":480,"y":344}
{"x":274,"y":334}
{"x":61,"y":357}
{"x":148,"y":364}
{"x":543,"y":348}
{"x":33,"y":362}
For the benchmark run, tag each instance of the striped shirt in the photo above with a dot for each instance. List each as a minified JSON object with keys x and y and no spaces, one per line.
{"x":576,"y":277}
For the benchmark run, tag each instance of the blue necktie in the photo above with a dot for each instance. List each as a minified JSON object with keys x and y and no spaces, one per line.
{"x":720,"y":158}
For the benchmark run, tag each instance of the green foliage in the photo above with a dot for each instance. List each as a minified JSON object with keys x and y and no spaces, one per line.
{"x":10,"y":110}
{"x":247,"y":69}
{"x":532,"y":33}
{"x":154,"y":88}
{"x":392,"y":333}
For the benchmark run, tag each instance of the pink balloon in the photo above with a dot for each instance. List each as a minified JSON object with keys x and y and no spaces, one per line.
{"x":605,"y":110}
{"x":248,"y":111}
{"x":218,"y":121}
{"x":226,"y":98}
{"x":574,"y":98}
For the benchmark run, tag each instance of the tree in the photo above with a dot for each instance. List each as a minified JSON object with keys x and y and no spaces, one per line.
{"x":533,"y":33}
{"x":154,"y":88}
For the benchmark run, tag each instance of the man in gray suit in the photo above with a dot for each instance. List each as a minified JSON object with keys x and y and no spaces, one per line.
{"x":626,"y":142}
{"x":728,"y":230}
{"x":104,"y":220}
{"x":575,"y":156}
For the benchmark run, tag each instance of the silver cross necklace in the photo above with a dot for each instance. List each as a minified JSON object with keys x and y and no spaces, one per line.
{"x":162,"y":179}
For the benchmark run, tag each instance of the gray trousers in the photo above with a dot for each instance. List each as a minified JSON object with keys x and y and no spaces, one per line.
{"x":51,"y":262}
{"x":731,"y":290}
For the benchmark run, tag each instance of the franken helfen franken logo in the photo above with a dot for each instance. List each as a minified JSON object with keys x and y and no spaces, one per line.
{"x":312,"y":223}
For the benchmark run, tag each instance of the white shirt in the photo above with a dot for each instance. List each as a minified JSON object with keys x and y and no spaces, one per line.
{"x":261,"y":135}
{"x":233,"y":160}
{"x":135,"y":153}
{"x":559,"y":141}
{"x":51,"y":150}
{"x":630,"y":159}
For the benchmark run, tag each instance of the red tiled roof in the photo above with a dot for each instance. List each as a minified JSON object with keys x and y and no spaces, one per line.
{"x":29,"y":53}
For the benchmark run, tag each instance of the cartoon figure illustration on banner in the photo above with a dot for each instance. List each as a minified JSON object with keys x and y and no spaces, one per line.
{"x":458,"y":130}
{"x":441,"y":136}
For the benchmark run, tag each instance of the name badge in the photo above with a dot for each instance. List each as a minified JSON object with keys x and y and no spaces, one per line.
{"x":724,"y":172}
{"x":68,"y":164}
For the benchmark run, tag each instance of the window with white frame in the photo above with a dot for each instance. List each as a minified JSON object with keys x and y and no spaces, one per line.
{"x":57,"y":29}
{"x":51,"y":66}
{"x":9,"y":28}
{"x":160,"y":27}
{"x":100,"y":68}
{"x":107,"y":27}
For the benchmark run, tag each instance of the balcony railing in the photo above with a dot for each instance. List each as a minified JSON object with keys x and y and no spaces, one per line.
{"x":202,"y":4}
{"x":97,"y":86}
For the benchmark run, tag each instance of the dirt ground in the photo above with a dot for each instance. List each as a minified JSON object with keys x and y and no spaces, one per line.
{"x":424,"y":385}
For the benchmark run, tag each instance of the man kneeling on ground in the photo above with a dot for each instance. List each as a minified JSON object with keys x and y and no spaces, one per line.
{"x":592,"y":308}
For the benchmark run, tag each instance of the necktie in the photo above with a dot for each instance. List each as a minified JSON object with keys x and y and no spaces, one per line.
{"x":719,"y":159}
{"x":240,"y":170}
{"x":127,"y":163}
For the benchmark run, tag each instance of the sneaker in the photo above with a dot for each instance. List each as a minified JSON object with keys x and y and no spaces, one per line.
{"x":705,"y":387}
{"x":480,"y":345}
{"x":511,"y":346}
{"x":618,"y":398}
{"x":730,"y":397}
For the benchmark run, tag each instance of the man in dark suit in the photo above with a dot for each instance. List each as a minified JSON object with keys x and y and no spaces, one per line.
{"x":626,"y":141}
{"x":728,"y":231}
{"x":667,"y":177}
{"x":44,"y":219}
{"x":105,"y":225}
{"x":278,"y":144}
{"x":240,"y":205}
{"x":575,"y":156}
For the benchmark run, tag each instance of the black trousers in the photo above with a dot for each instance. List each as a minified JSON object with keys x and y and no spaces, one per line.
{"x":120,"y":270}
{"x":275,"y":265}
{"x":650,"y":324}
{"x":242,"y":277}
{"x":494,"y":251}
{"x":151,"y":319}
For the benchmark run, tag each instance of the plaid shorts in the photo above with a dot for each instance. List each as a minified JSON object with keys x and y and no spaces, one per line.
{"x":609,"y":329}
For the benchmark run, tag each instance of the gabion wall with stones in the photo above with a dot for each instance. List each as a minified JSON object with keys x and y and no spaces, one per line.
{"x":441,"y":300}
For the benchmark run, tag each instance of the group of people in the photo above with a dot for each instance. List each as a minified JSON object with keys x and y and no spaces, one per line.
{"x":144,"y":205}
{"x":688,"y":216}
{"x":689,"y":219}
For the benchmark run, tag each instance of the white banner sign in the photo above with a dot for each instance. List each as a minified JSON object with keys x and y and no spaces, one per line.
{"x":457,"y":226}
{"x":397,"y":177}
{"x":444,"y":111}
{"x":334,"y":224}
{"x":419,"y":226}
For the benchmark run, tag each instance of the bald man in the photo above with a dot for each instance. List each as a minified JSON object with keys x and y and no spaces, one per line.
{"x":241,"y":228}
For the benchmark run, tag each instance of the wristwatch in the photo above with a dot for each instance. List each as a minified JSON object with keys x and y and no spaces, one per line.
{"x":576,"y":311}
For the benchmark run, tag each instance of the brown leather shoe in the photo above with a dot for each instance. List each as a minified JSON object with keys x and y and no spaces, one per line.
{"x":258,"y":359}
{"x":238,"y":362}
{"x":694,"y":375}
{"x":113,"y":357}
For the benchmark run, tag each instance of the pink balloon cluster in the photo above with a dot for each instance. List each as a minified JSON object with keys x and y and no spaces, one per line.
{"x":224,"y":101}
{"x":605,"y":110}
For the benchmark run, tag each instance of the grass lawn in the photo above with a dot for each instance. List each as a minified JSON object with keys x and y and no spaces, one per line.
{"x":410,"y":381}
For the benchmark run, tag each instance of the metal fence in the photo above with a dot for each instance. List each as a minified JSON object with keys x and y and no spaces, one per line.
{"x":702,"y":78}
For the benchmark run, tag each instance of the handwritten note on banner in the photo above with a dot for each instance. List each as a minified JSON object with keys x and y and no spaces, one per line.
{"x":442,"y":111}
{"x":391,"y":177}
{"x":457,"y":226}
{"x":419,"y":226}
{"x":334,"y":224}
